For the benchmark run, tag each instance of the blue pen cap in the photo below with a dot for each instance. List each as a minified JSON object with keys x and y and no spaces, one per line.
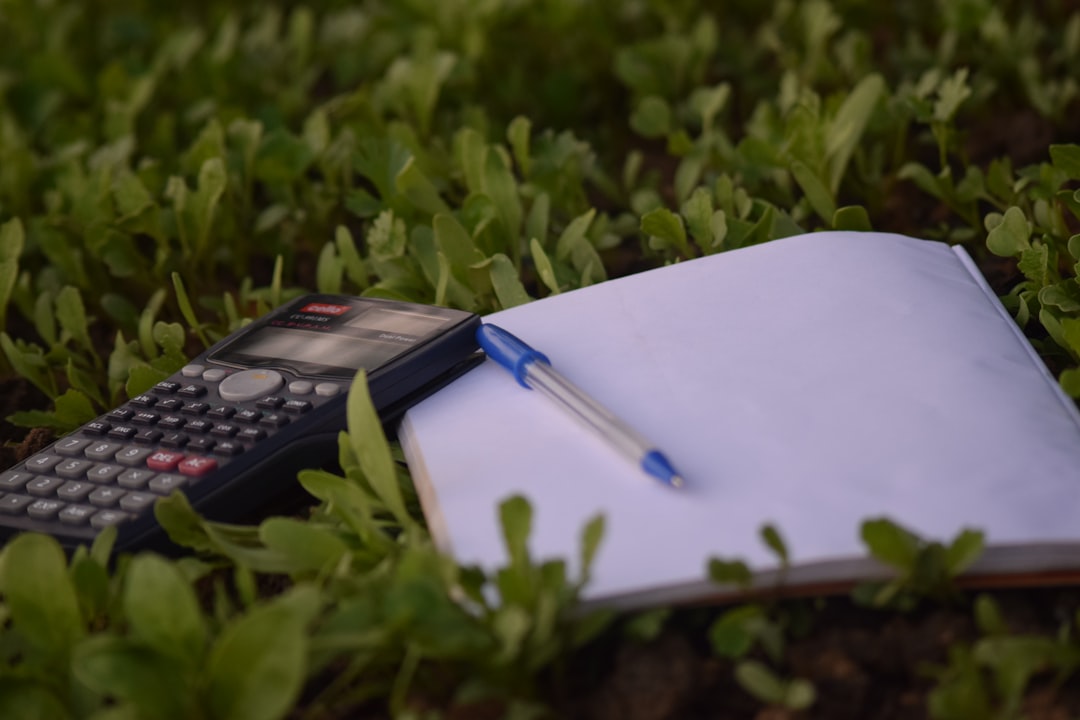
{"x":508,"y":351}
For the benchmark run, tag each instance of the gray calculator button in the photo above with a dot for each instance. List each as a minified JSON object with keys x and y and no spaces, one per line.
{"x":214,"y":375}
{"x":165,"y":484}
{"x":76,"y":514}
{"x":105,"y":518}
{"x":301,"y":387}
{"x":43,"y":486}
{"x":14,"y":504}
{"x":133,"y":456}
{"x":103,"y":451}
{"x":43,"y":462}
{"x":71,"y":447}
{"x":136,"y":502}
{"x":327,"y":389}
{"x":74,"y":491}
{"x":192,"y":370}
{"x":106,"y":496}
{"x":14,"y":480}
{"x":73,"y":469}
{"x":104,"y":473}
{"x":134,"y":479}
{"x":44,"y":509}
{"x":249,"y":384}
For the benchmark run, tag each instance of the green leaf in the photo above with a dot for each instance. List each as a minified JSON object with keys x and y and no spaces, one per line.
{"x":350,"y":256}
{"x":518,"y":134}
{"x":1067,"y":159}
{"x":847,"y":127}
{"x":951,"y":93}
{"x":668,"y":228}
{"x":24,"y":699}
{"x":515,"y":519}
{"x":965,"y":549}
{"x":698,"y":211}
{"x":40,"y":595}
{"x":890,"y":543}
{"x":502,"y":188}
{"x":454,"y":241}
{"x":507,"y":284}
{"x":590,"y":543}
{"x":771,"y":536}
{"x":309,"y":546}
{"x":72,"y":316}
{"x":817,"y":194}
{"x":163,"y":611}
{"x":732,"y":634}
{"x":544,"y":267}
{"x":12,"y":239}
{"x":852,"y":217}
{"x":120,"y":668}
{"x":730,"y":572}
{"x":1070,"y":382}
{"x":761,"y":682}
{"x":1010,"y":237}
{"x":1035,"y":265}
{"x":652,"y":117}
{"x":257,"y":666}
{"x":573,"y":235}
{"x":282,"y":158}
{"x":418,"y":189}
{"x":212,"y":182}
{"x":372,"y":451}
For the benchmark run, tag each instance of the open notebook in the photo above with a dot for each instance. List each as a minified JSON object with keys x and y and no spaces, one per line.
{"x":811,"y":382}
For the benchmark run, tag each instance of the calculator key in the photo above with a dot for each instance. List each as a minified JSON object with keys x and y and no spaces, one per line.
{"x":192,"y":391}
{"x":44,"y":509}
{"x":165,"y":387}
{"x":14,"y":480}
{"x":14,"y":504}
{"x":274,"y":420}
{"x":221,"y":412}
{"x":132,"y":456}
{"x":120,"y":414}
{"x":104,"y":473}
{"x":195,"y":408}
{"x":251,"y":435}
{"x":297,"y":407}
{"x":192,"y":370}
{"x":174,"y":440}
{"x":170,"y":404}
{"x":74,"y":491}
{"x":165,"y":484}
{"x":301,"y":387}
{"x":144,"y":400}
{"x":197,"y":466}
{"x":124,"y":432}
{"x":76,"y":514}
{"x":43,"y":486}
{"x":198,"y":426}
{"x":147,"y":437}
{"x":270,"y":402}
{"x":327,"y":389}
{"x":103,"y":451}
{"x":105,"y":518}
{"x":106,"y":496}
{"x":202,"y":444}
{"x":224,"y":430}
{"x":249,"y":384}
{"x":172,"y":422}
{"x":43,"y":463}
{"x":145,"y":418}
{"x":164,"y":461}
{"x":228,"y":448}
{"x":136,"y":502}
{"x":214,"y":375}
{"x":73,"y":469}
{"x":248,"y":416}
{"x":71,"y":447}
{"x":134,"y":479}
{"x":96,"y":427}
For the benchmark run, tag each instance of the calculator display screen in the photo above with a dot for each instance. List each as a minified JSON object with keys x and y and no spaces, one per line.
{"x":363,"y":337}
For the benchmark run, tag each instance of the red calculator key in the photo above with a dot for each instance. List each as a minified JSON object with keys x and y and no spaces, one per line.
{"x":164,"y":461}
{"x":197,"y":465}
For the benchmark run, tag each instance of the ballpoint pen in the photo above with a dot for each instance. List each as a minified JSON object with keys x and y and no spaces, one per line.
{"x":533,"y":371}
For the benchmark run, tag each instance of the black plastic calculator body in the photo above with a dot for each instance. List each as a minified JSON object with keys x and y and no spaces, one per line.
{"x":232,"y":428}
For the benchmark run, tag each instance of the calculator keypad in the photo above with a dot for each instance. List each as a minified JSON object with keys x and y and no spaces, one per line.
{"x":178,"y":434}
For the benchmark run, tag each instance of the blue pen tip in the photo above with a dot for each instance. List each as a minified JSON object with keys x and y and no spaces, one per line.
{"x":657,"y":465}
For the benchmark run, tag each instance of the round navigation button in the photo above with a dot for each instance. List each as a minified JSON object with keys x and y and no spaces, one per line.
{"x":300,"y":387}
{"x":327,"y":389}
{"x":192,"y":370}
{"x":249,"y":384}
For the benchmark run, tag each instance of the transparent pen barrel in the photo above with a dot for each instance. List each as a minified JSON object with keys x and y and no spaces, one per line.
{"x":625,"y":439}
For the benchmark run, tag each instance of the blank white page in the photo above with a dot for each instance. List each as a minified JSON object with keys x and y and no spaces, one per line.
{"x":810,"y":382}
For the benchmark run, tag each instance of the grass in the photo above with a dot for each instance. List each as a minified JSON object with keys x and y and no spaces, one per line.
{"x":168,"y":172}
